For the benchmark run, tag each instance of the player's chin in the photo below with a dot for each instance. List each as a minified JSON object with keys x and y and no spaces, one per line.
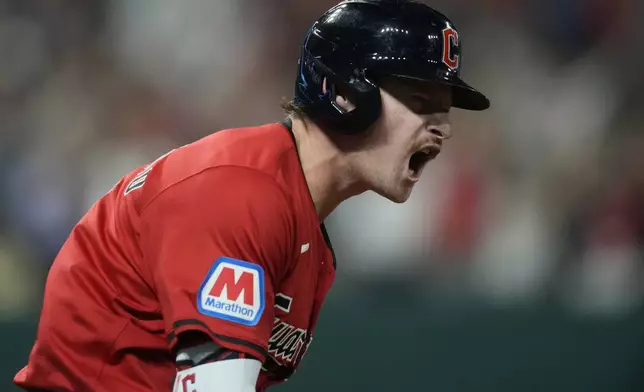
{"x":398,"y":194}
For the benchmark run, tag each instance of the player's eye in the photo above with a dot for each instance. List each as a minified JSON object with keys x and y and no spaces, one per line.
{"x":424,"y":104}
{"x":414,"y":102}
{"x":421,"y":104}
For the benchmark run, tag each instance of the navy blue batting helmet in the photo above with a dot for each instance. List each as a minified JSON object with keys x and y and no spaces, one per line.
{"x":357,"y":40}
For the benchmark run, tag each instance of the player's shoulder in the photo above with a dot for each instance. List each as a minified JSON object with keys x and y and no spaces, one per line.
{"x":256,"y":147}
{"x":264,"y":149}
{"x":248,"y":160}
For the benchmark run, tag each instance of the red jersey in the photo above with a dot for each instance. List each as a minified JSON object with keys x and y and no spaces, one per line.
{"x":220,"y":236}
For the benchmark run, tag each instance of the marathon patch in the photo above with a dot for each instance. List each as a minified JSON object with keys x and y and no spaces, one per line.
{"x":233,"y":290}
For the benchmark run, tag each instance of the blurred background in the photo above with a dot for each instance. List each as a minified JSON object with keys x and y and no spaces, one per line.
{"x":517,"y":265}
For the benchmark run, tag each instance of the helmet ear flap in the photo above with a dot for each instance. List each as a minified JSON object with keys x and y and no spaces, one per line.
{"x":362,"y":96}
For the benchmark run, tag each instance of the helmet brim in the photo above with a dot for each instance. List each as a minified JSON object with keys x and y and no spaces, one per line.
{"x":465,"y":96}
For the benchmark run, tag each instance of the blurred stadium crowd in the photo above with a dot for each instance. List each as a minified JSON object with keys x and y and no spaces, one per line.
{"x":541,"y":196}
{"x":539,"y":199}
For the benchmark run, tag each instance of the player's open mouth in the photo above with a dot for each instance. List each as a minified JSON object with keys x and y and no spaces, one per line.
{"x":419,"y":159}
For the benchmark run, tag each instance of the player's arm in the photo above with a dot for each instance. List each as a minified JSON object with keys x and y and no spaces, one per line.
{"x":218,"y":244}
{"x":204,"y":365}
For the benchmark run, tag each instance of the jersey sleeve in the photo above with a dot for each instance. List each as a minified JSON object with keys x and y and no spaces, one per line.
{"x":218,"y":245}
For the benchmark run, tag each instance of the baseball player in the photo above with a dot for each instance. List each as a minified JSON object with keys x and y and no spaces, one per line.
{"x":206,"y":269}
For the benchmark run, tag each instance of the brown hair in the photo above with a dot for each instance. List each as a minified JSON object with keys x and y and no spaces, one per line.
{"x":291,"y":108}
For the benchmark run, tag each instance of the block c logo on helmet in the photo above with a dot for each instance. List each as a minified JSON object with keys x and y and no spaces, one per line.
{"x":450,"y":38}
{"x":233,"y":290}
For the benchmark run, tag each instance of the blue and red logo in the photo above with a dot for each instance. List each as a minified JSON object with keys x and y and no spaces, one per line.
{"x":233,"y":290}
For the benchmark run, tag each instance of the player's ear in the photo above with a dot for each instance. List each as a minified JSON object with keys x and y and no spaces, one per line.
{"x":341,"y":99}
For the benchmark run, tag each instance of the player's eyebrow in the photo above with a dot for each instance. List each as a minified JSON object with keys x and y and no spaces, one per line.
{"x":433,"y":95}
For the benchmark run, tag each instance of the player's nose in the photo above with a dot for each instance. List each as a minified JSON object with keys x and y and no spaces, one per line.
{"x":440,"y":126}
{"x":442,"y":131}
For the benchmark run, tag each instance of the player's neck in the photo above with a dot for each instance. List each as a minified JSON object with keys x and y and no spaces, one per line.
{"x":328,"y":173}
